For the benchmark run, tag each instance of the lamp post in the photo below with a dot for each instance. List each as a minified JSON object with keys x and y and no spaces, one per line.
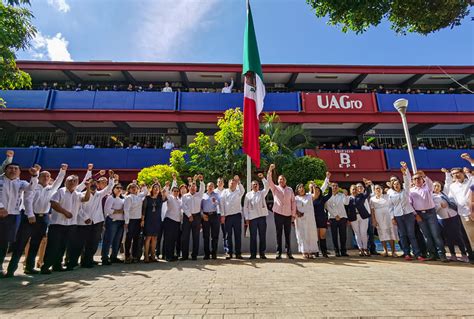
{"x":401,"y":106}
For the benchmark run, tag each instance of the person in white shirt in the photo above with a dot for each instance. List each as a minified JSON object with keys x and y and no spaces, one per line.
{"x":231,"y":215}
{"x":167,"y":88}
{"x":191,"y":202}
{"x":403,"y":216}
{"x":370,"y":229}
{"x":422,"y":147}
{"x":11,"y":190}
{"x":228,"y":88}
{"x":305,"y":223}
{"x":114,"y":226}
{"x":168,"y":145}
{"x":446,"y":209}
{"x":366,"y":147}
{"x":77,"y":145}
{"x":171,"y":223}
{"x":255,"y":214}
{"x":35,"y":220}
{"x":89,"y":145}
{"x":382,"y":220}
{"x":65,"y":204}
{"x":219,"y":190}
{"x":210,"y":207}
{"x":338,"y":219}
{"x":132,"y":209}
{"x":90,"y":223}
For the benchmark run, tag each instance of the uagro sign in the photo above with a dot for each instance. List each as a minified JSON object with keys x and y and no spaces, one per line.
{"x":338,"y":103}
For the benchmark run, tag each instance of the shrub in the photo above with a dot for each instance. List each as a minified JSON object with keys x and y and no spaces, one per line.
{"x":161,"y":172}
{"x":178,"y":162}
{"x":304,"y":169}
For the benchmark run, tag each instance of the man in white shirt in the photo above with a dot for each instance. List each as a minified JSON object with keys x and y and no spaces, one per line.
{"x":34,"y":221}
{"x":231,"y":216}
{"x":255,"y":214}
{"x":167,"y":88}
{"x":89,"y":145}
{"x":338,"y":219}
{"x":228,"y":88}
{"x":219,"y":191}
{"x":370,"y":229}
{"x":11,"y":190}
{"x":191,"y":218}
{"x":77,"y":145}
{"x":90,"y":222}
{"x":65,"y":204}
{"x":366,"y":147}
{"x":171,"y":223}
{"x":168,"y":145}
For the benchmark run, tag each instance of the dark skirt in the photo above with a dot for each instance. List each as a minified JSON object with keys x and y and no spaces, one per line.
{"x":321,"y":219}
{"x":153,"y":223}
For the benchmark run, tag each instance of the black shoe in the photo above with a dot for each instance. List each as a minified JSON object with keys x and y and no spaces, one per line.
{"x":290,"y":256}
{"x":253,"y":257}
{"x":229,"y":256}
{"x":6,"y":275}
{"x":214,"y":256}
{"x":194,"y":258}
{"x":325,"y":255}
{"x":95,"y":263}
{"x":316,"y":255}
{"x":375,"y":253}
{"x":443,"y":259}
{"x":59,"y":269}
{"x":344,"y":255}
{"x":45,"y":271}
{"x":31,"y":271}
{"x":69,"y":268}
{"x":338,"y":254}
{"x":116,"y":260}
{"x":172,"y":259}
{"x":206,"y":257}
{"x":106,"y":262}
{"x":262,"y":256}
{"x":183,"y":258}
{"x":239,"y":256}
{"x":278,"y":256}
{"x":87,"y":266}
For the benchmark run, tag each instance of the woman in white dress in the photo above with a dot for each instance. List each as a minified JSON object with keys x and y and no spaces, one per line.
{"x":305,"y":224}
{"x":382,"y":219}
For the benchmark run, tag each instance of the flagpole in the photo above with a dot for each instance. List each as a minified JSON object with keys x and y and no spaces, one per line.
{"x":249,"y":173}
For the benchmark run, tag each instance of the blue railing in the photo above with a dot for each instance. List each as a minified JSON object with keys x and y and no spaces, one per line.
{"x":428,"y":159}
{"x":428,"y":102}
{"x":112,"y":100}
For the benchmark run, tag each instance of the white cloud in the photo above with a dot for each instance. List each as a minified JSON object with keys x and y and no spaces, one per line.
{"x":168,"y":25}
{"x":53,"y":48}
{"x":60,"y":5}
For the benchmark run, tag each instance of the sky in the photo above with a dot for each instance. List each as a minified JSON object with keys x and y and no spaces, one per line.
{"x":211,"y":31}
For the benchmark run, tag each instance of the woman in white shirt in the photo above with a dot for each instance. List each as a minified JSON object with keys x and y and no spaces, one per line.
{"x":305,"y":224}
{"x":132,"y":209}
{"x":171,"y":223}
{"x":446,"y":209}
{"x":114,"y":225}
{"x":382,"y":220}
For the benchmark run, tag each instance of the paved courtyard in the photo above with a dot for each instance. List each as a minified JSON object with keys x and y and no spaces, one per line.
{"x":350,"y":287}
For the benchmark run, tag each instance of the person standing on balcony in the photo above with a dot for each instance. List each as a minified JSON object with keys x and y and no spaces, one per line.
{"x":228,"y":88}
{"x":89,"y":145}
{"x":167,"y":88}
{"x":168,"y":144}
{"x":284,"y":210}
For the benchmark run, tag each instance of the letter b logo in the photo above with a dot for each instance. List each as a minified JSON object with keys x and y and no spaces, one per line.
{"x":345,"y":160}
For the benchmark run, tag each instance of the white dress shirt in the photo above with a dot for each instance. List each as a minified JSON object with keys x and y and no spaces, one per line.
{"x":255,"y":205}
{"x":167,"y":89}
{"x":443,"y":212}
{"x":191,"y":203}
{"x":112,"y":204}
{"x":173,"y":210}
{"x":11,"y":192}
{"x":336,"y":205}
{"x":37,"y":201}
{"x":92,"y":209}
{"x":460,"y":192}
{"x":132,"y":206}
{"x":168,"y":145}
{"x":400,"y":201}
{"x":231,"y":201}
{"x":70,"y":201}
{"x":229,"y":88}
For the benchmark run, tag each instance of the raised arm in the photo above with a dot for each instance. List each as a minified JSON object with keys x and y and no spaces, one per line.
{"x":326,"y":182}
{"x":271,"y":185}
{"x":8,"y":159}
{"x":127,"y":205}
{"x":60,"y":178}
{"x":82,"y":185}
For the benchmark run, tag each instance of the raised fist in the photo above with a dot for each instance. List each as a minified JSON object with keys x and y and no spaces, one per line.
{"x":10,"y":153}
{"x":260,"y":175}
{"x":90,"y":166}
{"x":102,"y":172}
{"x":111,"y":173}
{"x":444,"y":170}
{"x":465,"y":156}
{"x":34,"y":170}
{"x":64,"y":167}
{"x":272,"y":167}
{"x":328,"y":175}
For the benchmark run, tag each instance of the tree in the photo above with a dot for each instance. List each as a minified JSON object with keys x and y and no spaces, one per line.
{"x":303,"y":169}
{"x":162,"y":173}
{"x":417,"y":16}
{"x":16,"y":32}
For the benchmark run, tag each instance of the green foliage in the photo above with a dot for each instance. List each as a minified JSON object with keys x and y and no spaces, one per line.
{"x":16,"y":32}
{"x":303,"y":169}
{"x":178,"y":162}
{"x":414,"y":16}
{"x":161,"y":172}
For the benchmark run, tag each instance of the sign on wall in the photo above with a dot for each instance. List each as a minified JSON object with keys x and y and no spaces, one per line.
{"x":338,"y":103}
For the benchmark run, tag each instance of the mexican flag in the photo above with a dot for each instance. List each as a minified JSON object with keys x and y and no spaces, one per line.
{"x":254,"y":91}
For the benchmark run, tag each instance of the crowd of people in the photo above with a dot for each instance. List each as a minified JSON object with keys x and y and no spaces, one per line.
{"x":354,"y":145}
{"x":70,"y":221}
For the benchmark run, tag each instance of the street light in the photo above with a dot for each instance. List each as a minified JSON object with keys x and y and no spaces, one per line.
{"x":401,"y":106}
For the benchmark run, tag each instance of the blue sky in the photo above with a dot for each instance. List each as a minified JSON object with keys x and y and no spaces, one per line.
{"x":212,"y":31}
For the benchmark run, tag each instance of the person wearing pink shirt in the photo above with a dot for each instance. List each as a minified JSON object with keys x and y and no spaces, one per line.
{"x":421,"y":198}
{"x":284,"y":210}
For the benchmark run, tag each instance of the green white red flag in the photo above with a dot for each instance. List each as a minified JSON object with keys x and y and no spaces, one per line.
{"x":254,"y":91}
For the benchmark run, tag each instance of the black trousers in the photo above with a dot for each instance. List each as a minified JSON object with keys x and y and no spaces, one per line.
{"x":7,"y":235}
{"x":339,"y":228}
{"x":171,"y":229}
{"x":258,"y":225}
{"x":59,"y":239}
{"x":85,"y":244}
{"x":210,"y":232}
{"x":233,"y":226}
{"x":160,"y":243}
{"x":371,"y":238}
{"x":28,"y":232}
{"x":452,"y":234}
{"x":283,"y":223}
{"x":188,"y":228}
{"x":132,"y":238}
